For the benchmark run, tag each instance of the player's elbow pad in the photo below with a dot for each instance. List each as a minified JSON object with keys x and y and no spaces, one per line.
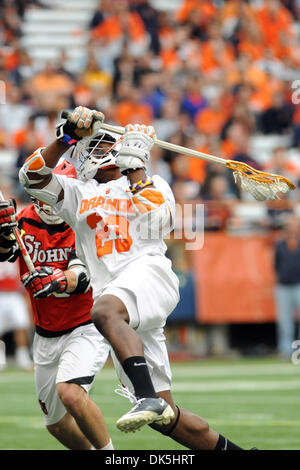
{"x":33,"y":172}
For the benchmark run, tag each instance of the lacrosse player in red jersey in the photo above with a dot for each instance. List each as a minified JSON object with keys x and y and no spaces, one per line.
{"x":119,"y":215}
{"x":67,"y":348}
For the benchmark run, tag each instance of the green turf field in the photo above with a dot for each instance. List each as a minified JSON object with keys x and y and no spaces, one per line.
{"x":252,"y":402}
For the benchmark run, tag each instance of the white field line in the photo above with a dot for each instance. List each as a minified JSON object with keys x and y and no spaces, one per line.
{"x":234,"y":370}
{"x":182,"y":371}
{"x":234,"y":385}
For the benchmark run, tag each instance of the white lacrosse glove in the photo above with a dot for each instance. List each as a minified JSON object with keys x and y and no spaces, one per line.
{"x":82,"y":122}
{"x":135,"y":149}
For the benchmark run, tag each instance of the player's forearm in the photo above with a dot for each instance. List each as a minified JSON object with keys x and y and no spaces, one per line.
{"x":71,"y":281}
{"x":53,"y":152}
{"x":134,"y":176}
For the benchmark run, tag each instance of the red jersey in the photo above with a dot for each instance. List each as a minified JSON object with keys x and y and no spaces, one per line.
{"x":54,"y":246}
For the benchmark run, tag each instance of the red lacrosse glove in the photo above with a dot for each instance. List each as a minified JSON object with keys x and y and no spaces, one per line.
{"x":44,"y":281}
{"x":7,"y":216}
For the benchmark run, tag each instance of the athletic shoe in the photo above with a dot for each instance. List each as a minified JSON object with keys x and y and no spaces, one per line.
{"x":146,"y":411}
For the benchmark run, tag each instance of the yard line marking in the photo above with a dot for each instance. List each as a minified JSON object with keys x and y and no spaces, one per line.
{"x":245,"y":385}
{"x":197,"y":370}
{"x":234,"y":370}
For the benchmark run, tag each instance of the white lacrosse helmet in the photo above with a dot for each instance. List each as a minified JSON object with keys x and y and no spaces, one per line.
{"x":44,"y":211}
{"x":90,"y":157}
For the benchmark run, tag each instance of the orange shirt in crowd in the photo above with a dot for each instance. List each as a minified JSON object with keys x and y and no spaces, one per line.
{"x":210,"y":121}
{"x":228,"y":149}
{"x":56,"y":82}
{"x":206,"y":8}
{"x":112,"y":29}
{"x":11,"y":60}
{"x":232,"y":9}
{"x":82,"y":94}
{"x":253,"y":51}
{"x":136,"y":113}
{"x":211,"y":60}
{"x":288,"y":168}
{"x":169,"y":58}
{"x":20,"y":138}
{"x":261,"y":99}
{"x":271,"y":25}
{"x":197,"y":167}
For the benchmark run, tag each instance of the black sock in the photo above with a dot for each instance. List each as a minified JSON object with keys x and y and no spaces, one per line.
{"x":138,"y":373}
{"x":225,"y":444}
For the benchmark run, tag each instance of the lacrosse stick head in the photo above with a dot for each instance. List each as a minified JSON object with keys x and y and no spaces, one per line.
{"x":261,"y":185}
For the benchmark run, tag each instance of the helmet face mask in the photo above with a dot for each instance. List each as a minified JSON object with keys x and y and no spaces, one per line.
{"x":45,"y":212}
{"x":96,"y":153}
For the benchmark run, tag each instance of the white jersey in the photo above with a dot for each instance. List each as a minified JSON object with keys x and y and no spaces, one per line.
{"x":114,"y":227}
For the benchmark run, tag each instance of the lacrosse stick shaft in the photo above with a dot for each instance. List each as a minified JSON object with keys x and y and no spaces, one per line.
{"x":22,"y":246}
{"x":161,"y":143}
{"x":168,"y":146}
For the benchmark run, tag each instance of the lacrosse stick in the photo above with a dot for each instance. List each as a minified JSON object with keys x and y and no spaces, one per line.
{"x":21,"y":244}
{"x":261,"y":185}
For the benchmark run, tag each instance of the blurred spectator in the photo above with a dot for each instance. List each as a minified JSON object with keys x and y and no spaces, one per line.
{"x":240,"y":114}
{"x":94,"y":76}
{"x":119,"y":25}
{"x":150,"y":18}
{"x":49,"y":85}
{"x":14,"y":314}
{"x":212,"y":119}
{"x":151,"y":92}
{"x":100,"y":13}
{"x":131,"y":108}
{"x":26,"y":140}
{"x":10,"y":22}
{"x":184,"y":187}
{"x":278,"y":118}
{"x":287,"y":268}
{"x":203,"y":11}
{"x":27,"y":137}
{"x":14,"y":113}
{"x":237,"y":146}
{"x":281,"y":164}
{"x":157,"y":165}
{"x":278,"y":212}
{"x":216,"y":194}
{"x":167,"y":124}
{"x":193,"y":101}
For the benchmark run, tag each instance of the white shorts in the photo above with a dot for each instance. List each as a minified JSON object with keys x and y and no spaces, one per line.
{"x":149,"y":289}
{"x":14,"y":313}
{"x":75,"y":357}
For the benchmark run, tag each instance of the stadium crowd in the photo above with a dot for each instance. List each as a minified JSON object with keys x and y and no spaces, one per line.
{"x":210,"y":76}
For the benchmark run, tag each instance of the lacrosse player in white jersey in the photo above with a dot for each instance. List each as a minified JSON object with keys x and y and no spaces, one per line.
{"x":110,"y":209}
